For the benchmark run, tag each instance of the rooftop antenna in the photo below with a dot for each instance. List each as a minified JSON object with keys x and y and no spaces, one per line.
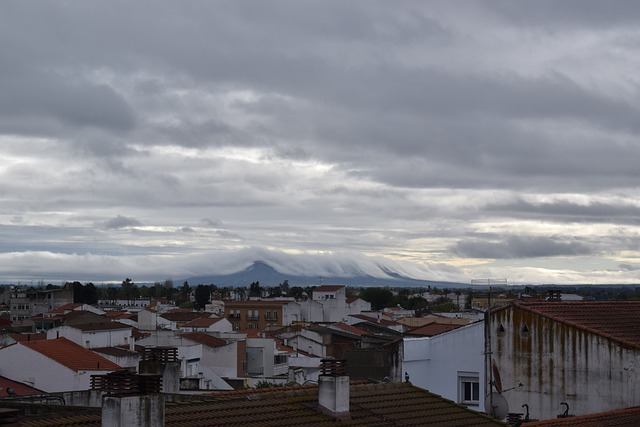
{"x":488,"y":365}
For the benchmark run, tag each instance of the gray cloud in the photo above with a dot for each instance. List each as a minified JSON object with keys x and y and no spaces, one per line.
{"x":515,"y":247}
{"x":429,"y":133}
{"x":121,"y":222}
{"x":565,"y":210}
{"x":212,"y":222}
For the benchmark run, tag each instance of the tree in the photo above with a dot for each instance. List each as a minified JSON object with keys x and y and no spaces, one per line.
{"x":78,"y":292}
{"x":129,"y":290}
{"x":90,"y":293}
{"x":378,"y":297}
{"x":296,"y":292}
{"x":185,"y":294}
{"x":202,"y":296}
{"x":84,"y":294}
{"x":255,"y":290}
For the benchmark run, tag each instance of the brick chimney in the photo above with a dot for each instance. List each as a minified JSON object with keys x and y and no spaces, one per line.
{"x":333,"y":388}
{"x":130,"y":400}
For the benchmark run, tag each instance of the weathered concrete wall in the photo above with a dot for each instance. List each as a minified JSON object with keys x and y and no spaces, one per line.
{"x":133,"y":411}
{"x":556,"y":362}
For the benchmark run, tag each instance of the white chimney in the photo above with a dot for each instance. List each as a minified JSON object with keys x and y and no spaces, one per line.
{"x":133,"y":411}
{"x":333,"y":388}
{"x":129,"y":399}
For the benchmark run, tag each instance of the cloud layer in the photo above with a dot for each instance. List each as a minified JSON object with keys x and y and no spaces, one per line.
{"x":472,"y":139}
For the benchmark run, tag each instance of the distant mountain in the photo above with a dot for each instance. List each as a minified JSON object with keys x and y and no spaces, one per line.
{"x":261,"y":271}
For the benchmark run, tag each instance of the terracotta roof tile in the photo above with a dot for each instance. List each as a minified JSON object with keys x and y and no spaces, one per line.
{"x":19,"y":389}
{"x":183,"y":316}
{"x":71,"y":355}
{"x":432,"y":329}
{"x":371,"y":405}
{"x":384,"y":322}
{"x":349,"y":328}
{"x":202,"y":322}
{"x":66,"y":307}
{"x":114,"y":313}
{"x":103,"y":326}
{"x":616,"y":320}
{"x":203,"y":338}
{"x":629,"y":417}
{"x":28,"y":337}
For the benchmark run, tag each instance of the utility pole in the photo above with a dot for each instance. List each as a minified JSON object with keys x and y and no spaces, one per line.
{"x":488,"y":358}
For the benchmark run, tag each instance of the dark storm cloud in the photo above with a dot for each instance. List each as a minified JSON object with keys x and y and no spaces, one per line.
{"x":515,"y":247}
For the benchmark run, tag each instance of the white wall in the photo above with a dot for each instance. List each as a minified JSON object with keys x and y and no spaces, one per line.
{"x":223,"y":361}
{"x":22,"y":364}
{"x":291,"y":313}
{"x":436,"y":363}
{"x":92,"y":339}
{"x":311,"y":311}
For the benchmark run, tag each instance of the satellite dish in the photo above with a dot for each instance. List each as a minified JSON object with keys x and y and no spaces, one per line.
{"x":497,"y":381}
{"x":496,"y":405}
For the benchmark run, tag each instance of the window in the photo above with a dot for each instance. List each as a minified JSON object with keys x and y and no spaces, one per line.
{"x":469,"y":388}
{"x":275,"y":315}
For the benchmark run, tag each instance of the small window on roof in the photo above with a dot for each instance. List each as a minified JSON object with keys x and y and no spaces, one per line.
{"x":524,"y":331}
{"x":501,"y":331}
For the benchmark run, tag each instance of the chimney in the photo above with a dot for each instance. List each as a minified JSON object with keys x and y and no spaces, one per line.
{"x":333,"y":388}
{"x":130,"y":400}
{"x":162,"y":361}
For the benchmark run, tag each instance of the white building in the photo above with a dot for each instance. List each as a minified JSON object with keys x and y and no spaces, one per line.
{"x":53,"y":365}
{"x":450,"y":364}
{"x":90,"y":335}
{"x":329,"y":304}
{"x":202,"y":353}
{"x":207,"y":324}
{"x":264,"y":359}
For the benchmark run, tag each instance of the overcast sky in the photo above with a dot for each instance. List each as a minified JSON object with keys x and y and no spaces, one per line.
{"x":445,"y":140}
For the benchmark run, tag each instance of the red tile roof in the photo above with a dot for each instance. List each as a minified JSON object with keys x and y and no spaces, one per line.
{"x":183,"y":316}
{"x":103,"y":326}
{"x":28,"y":337}
{"x":615,"y":320}
{"x":114,"y":313}
{"x":383,"y":322}
{"x":432,"y":329}
{"x":205,"y":339}
{"x":349,"y":328}
{"x":629,"y":417}
{"x":371,"y":405}
{"x":202,"y":322}
{"x":19,"y":389}
{"x":66,"y":307}
{"x":71,"y":355}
